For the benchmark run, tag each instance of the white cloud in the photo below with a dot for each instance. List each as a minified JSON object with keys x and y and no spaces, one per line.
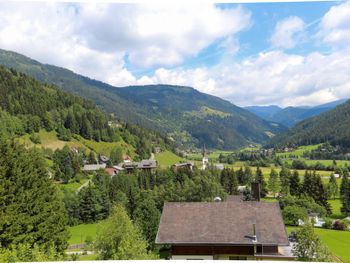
{"x":158,"y":34}
{"x":335,"y":25}
{"x":93,"y":39}
{"x":271,"y":78}
{"x":288,"y":33}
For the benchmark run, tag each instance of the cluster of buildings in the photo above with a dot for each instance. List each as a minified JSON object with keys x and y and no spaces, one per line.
{"x":126,"y":165}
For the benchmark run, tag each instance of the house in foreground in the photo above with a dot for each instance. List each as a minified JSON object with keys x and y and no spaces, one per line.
{"x":234,"y":230}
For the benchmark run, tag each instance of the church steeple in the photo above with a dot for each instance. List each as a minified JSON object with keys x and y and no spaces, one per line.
{"x":205,"y":159}
{"x":204,"y":151}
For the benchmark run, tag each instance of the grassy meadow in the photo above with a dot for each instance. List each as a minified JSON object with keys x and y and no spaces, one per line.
{"x":50,"y":140}
{"x":79,"y":233}
{"x":167,"y":158}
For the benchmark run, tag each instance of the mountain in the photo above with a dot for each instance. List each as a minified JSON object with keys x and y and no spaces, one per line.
{"x":332,"y":126}
{"x":291,"y":115}
{"x":186,"y":115}
{"x":28,"y":106}
{"x":264,"y":112}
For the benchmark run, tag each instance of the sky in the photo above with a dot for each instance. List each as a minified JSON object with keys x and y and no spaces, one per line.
{"x":286,"y":54}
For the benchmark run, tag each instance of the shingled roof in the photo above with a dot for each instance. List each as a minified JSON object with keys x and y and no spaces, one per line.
{"x":221,"y":223}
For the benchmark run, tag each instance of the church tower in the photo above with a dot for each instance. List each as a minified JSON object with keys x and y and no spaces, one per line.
{"x":205,"y":160}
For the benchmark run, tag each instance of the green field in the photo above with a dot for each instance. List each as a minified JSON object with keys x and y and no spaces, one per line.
{"x":50,"y":140}
{"x":213,"y":156}
{"x":72,"y":186}
{"x":167,"y":158}
{"x":298,"y":152}
{"x":79,"y":233}
{"x":338,"y":242}
{"x":340,"y":163}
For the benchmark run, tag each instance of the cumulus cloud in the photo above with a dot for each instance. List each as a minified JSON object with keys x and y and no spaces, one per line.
{"x":96,"y":39}
{"x":288,"y":33}
{"x":158,"y":34}
{"x":271,"y":78}
{"x":335,"y":25}
{"x":93,"y":38}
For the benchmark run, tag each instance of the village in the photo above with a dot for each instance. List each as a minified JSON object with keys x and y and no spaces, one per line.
{"x":243,"y":226}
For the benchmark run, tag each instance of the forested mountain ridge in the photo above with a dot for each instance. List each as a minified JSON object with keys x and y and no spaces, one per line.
{"x":206,"y":119}
{"x":332,"y":126}
{"x":27,"y":106}
{"x":186,"y":115}
{"x":289,"y":116}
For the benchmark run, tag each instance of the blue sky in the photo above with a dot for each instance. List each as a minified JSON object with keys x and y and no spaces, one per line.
{"x":250,"y":54}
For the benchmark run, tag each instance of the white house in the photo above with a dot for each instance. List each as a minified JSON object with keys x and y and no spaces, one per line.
{"x":315,"y":218}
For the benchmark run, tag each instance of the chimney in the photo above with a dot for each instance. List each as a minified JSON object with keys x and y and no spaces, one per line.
{"x":256,"y":191}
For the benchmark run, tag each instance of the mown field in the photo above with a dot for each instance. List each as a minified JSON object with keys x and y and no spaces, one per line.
{"x":167,"y":158}
{"x":79,"y":233}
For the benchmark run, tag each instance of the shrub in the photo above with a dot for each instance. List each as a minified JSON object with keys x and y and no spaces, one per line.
{"x":340,"y":225}
{"x":291,"y":215}
{"x":35,"y":138}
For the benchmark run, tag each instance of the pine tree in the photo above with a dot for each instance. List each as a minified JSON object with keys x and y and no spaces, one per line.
{"x":294,"y":182}
{"x":345,"y":195}
{"x":313,"y":187}
{"x":333,"y":186}
{"x":273,"y":183}
{"x":31,"y":209}
{"x":284,"y":179}
{"x":259,"y":177}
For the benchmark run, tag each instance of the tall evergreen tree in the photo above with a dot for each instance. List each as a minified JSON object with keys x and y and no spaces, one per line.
{"x":313,"y":187}
{"x":333,"y":186}
{"x":31,"y":209}
{"x":259,"y":177}
{"x":273,"y":183}
{"x":345,"y":195}
{"x":284,"y":179}
{"x":294,"y":183}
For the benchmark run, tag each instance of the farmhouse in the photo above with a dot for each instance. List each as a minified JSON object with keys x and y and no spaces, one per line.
{"x":187,"y":165}
{"x":145,"y":165}
{"x":112,"y":171}
{"x":234,"y":230}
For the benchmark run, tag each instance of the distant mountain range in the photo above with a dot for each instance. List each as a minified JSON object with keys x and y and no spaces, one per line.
{"x":332,"y":126}
{"x":289,"y":116}
{"x":185,"y":115}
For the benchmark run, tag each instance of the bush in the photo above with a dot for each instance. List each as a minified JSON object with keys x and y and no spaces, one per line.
{"x":291,"y":215}
{"x":35,"y":138}
{"x":340,"y":225}
{"x":328,"y":224}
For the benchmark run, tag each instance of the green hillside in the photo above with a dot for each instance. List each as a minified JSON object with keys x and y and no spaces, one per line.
{"x":332,"y":126}
{"x":44,"y":115}
{"x":187,"y":116}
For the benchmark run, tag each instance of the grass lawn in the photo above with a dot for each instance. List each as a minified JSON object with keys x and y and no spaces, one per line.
{"x":336,"y":205}
{"x":338,"y":242}
{"x":79,"y":233}
{"x":167,"y":158}
{"x":72,"y":186}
